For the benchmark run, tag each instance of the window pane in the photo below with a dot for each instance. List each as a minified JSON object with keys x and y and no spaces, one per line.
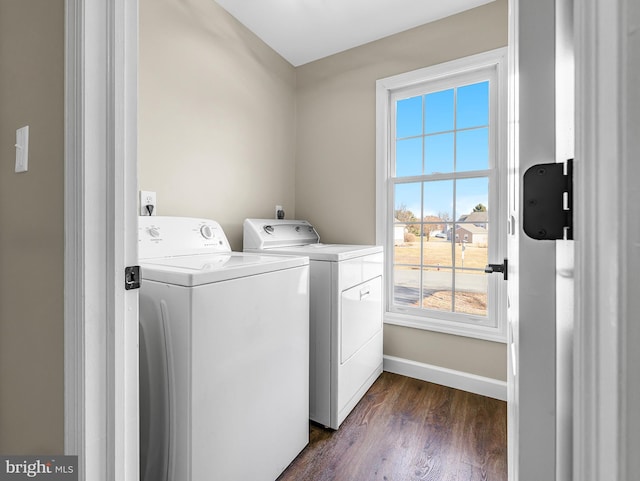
{"x":438,"y":112}
{"x":471,"y":292}
{"x":409,"y":117}
{"x":438,"y":153}
{"x":472,"y":106}
{"x":472,"y":201}
{"x":437,"y":289}
{"x":436,"y":251}
{"x":438,"y":199}
{"x":472,"y":228}
{"x":406,"y":249}
{"x":433,"y":228}
{"x":409,"y":157}
{"x":407,"y":198}
{"x":471,"y":248}
{"x":406,"y":286}
{"x":472,"y":150}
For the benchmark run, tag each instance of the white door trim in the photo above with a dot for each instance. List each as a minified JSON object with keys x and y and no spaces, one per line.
{"x":101,"y":329}
{"x":607,"y":209}
{"x":74,"y":306}
{"x":513,"y":202}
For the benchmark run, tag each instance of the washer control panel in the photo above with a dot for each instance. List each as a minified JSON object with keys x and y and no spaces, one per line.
{"x":164,"y":236}
{"x":206,"y":231}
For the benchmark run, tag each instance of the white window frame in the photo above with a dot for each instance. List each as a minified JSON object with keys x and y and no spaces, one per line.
{"x":438,"y":77}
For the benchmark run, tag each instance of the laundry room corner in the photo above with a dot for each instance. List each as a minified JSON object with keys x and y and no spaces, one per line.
{"x":336,"y":116}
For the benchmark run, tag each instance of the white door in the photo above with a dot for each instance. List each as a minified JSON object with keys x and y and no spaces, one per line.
{"x":540,"y":306}
{"x":101,"y":317}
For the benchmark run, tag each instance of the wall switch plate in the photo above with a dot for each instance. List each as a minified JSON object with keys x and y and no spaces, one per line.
{"x":22,"y":149}
{"x":148,"y":203}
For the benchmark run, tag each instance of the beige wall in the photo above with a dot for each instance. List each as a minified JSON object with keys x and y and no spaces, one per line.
{"x":217,"y":116}
{"x":335,"y":154}
{"x":465,"y":354}
{"x":31,"y":228}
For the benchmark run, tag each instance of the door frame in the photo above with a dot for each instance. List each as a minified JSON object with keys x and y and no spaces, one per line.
{"x":101,"y":318}
{"x":606,"y":429}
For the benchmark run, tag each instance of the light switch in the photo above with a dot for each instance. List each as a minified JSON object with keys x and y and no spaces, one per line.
{"x":22,"y":149}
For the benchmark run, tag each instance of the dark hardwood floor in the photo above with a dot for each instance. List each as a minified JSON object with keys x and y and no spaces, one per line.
{"x":405,"y":430}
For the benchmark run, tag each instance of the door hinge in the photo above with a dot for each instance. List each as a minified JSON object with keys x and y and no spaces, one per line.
{"x":548,"y":201}
{"x":132,"y":277}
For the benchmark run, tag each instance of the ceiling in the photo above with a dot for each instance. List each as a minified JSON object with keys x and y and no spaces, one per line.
{"x":306,"y":30}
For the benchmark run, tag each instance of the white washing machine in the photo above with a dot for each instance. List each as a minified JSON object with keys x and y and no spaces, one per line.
{"x":224,"y":353}
{"x":345,"y":312}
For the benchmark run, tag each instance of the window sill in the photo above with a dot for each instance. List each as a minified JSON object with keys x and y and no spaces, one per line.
{"x":495,"y":334}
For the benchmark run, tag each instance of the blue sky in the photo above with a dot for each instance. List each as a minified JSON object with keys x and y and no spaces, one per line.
{"x":451,"y":128}
{"x":438,"y":196}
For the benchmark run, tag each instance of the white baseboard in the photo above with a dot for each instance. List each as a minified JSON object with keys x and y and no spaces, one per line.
{"x":464,"y":381}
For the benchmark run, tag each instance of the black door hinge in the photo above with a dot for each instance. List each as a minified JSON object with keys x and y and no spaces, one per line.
{"x":548,"y":201}
{"x":132,"y":277}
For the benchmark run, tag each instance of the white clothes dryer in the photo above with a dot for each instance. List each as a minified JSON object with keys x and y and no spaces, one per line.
{"x":345,"y":312}
{"x":224,"y":352}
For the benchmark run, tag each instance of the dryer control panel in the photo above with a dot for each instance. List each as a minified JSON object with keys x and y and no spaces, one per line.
{"x":269,"y":233}
{"x":165,"y":236}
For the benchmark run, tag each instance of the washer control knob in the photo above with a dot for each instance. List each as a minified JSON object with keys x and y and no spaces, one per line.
{"x":268,"y":229}
{"x":153,"y":232}
{"x":206,"y":232}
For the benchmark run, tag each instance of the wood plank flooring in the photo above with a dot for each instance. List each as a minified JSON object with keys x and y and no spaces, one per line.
{"x":409,"y":430}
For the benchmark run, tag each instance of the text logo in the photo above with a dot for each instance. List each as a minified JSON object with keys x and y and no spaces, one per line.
{"x":42,"y":468}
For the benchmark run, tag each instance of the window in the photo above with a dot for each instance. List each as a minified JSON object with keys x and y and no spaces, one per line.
{"x":441,"y":195}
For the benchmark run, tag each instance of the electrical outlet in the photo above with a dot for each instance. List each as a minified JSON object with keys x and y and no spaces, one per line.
{"x":148,"y":203}
{"x":279,"y":212}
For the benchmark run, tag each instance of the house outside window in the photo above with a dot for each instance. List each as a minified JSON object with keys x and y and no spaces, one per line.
{"x":441,"y":182}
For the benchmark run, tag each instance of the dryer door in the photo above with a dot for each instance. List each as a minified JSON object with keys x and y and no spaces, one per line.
{"x":361,"y":316}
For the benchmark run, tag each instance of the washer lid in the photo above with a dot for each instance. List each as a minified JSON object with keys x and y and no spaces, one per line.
{"x":202,"y":269}
{"x":325,"y":252}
